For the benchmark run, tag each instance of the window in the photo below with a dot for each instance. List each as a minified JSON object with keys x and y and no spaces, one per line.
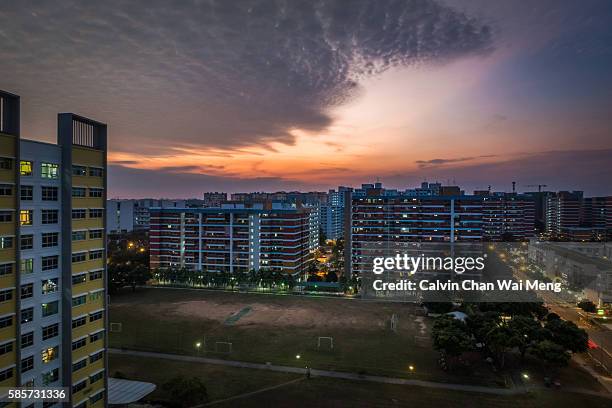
{"x":6,"y":295}
{"x":79,"y":257}
{"x":79,"y":192}
{"x":96,"y":316}
{"x":27,"y":339}
{"x":79,"y":170}
{"x":27,"y":315}
{"x":96,"y":377}
{"x":97,"y":356}
{"x":96,"y":213}
{"x":50,"y":239}
{"x":27,"y":290}
{"x":96,"y":192}
{"x":49,"y":193}
{"x":95,"y":275}
{"x":49,"y":262}
{"x":97,"y":397}
{"x":79,"y":235}
{"x":96,"y":296}
{"x":79,"y":364}
{"x":49,"y":354}
{"x":26,"y":217}
{"x":49,"y":170}
{"x":79,"y":300}
{"x":79,"y":386}
{"x":6,"y":374}
{"x":25,"y":167}
{"x":49,"y":216}
{"x":6,"y":216}
{"x":26,"y":265}
{"x":6,"y":269}
{"x":27,"y":364}
{"x":6,"y":242}
{"x":49,"y":285}
{"x":50,"y":308}
{"x":95,"y":234}
{"x":6,"y":163}
{"x":50,"y":376}
{"x":27,"y":193}
{"x":77,"y":279}
{"x":79,"y":321}
{"x":96,"y":172}
{"x":50,"y":331}
{"x":27,"y":242}
{"x":96,"y":254}
{"x":77,"y":344}
{"x":6,"y":190}
{"x":6,"y":348}
{"x":6,"y":321}
{"x":79,"y":214}
{"x":96,"y":336}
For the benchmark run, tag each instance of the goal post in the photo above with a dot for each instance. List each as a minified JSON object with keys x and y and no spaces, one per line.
{"x":325,"y":340}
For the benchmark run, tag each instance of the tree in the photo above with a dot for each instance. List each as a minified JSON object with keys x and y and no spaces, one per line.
{"x":451,"y":336}
{"x":331,"y":277}
{"x":551,"y":353}
{"x":526,"y":332}
{"x":438,"y":307}
{"x":138,"y":276}
{"x":186,"y":392}
{"x":587,"y":306}
{"x":567,"y":335}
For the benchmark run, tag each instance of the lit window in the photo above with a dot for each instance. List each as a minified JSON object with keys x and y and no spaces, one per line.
{"x":49,"y":170}
{"x":25,"y":167}
{"x":25,"y":217}
{"x":49,"y":354}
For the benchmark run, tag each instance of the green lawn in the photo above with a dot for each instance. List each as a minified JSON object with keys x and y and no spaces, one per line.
{"x":221,"y":382}
{"x":224,"y":382}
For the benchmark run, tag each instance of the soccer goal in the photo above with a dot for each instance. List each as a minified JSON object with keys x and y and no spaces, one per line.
{"x":223,"y":347}
{"x":326,"y":342}
{"x":394,"y":321}
{"x":116,"y":327}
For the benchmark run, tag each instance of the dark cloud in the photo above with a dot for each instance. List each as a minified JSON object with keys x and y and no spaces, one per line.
{"x":440,"y":162}
{"x":215,"y":73}
{"x":588,"y":170}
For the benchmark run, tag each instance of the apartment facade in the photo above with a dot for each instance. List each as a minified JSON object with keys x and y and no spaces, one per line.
{"x":572,"y":217}
{"x":233,"y":239}
{"x":53,"y":258}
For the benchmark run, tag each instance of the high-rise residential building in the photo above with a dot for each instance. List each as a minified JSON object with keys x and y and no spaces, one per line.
{"x":127,"y":215}
{"x":236,"y":238}
{"x":332,"y":213}
{"x":214,"y":199}
{"x":572,"y":217}
{"x":507,"y":216}
{"x":53,"y":257}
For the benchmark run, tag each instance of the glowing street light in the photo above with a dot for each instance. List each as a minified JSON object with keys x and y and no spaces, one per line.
{"x":298,"y":356}
{"x":411,"y":367}
{"x":526,"y":376}
{"x":198,"y":345}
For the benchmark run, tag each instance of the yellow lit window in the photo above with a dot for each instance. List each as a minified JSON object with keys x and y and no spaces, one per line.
{"x":25,"y":217}
{"x":49,"y":354}
{"x":26,"y":168}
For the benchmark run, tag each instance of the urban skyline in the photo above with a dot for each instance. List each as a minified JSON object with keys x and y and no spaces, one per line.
{"x":483,"y":94}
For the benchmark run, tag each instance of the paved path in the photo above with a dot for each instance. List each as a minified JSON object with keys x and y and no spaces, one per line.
{"x":324,"y":373}
{"x":248,"y":394}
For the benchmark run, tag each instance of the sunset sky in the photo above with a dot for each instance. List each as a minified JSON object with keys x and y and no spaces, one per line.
{"x":285,"y":95}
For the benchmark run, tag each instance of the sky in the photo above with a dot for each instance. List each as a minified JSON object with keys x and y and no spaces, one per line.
{"x":308,"y":95}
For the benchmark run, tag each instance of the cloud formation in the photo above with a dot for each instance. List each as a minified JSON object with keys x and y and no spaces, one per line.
{"x":221,"y":74}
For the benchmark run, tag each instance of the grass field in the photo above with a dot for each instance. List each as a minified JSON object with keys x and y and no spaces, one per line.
{"x":224,"y":382}
{"x":277,"y":329}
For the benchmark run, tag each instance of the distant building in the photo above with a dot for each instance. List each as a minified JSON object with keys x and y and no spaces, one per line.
{"x":235,"y":238}
{"x":127,"y":215}
{"x":214,"y":199}
{"x":571,"y":265}
{"x":572,"y":217}
{"x":332,"y":213}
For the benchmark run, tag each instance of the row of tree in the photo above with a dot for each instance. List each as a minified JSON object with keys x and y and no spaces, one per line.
{"x":497,"y":329}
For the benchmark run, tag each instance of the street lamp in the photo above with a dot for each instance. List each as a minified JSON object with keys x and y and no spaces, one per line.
{"x":297,"y":356}
{"x":411,"y":367}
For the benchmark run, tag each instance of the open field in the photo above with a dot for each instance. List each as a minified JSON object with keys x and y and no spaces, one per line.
{"x":225,"y":382}
{"x":278,"y":329}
